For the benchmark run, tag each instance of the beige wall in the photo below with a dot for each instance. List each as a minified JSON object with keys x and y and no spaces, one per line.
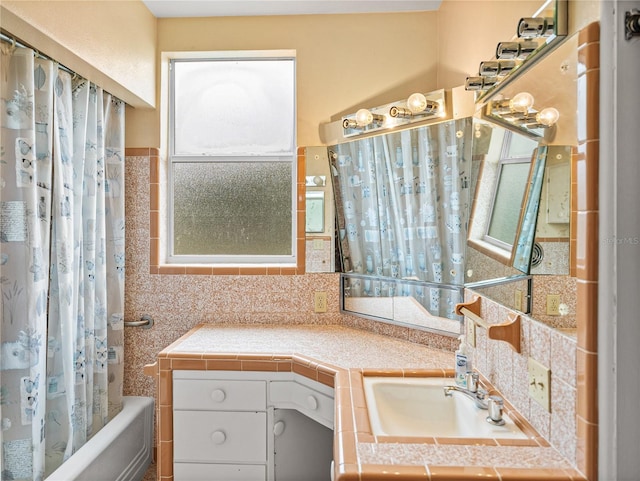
{"x":344,"y":62}
{"x":112,"y":43}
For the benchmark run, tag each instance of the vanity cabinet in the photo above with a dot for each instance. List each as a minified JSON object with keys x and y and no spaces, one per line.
{"x":225,"y":426}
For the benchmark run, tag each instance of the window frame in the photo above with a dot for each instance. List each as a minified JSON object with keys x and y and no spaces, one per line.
{"x":504,"y":159}
{"x":281,"y":261}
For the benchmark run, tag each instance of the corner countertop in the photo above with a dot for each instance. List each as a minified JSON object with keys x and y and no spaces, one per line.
{"x":338,"y":356}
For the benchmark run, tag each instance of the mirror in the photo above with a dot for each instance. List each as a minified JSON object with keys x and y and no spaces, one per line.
{"x":319,"y":212}
{"x":402,"y":206}
{"x":551,"y":82}
{"x":387,"y":289}
{"x":506,"y":179}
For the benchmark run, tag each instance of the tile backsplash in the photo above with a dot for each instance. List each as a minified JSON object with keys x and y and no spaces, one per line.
{"x":507,"y":370}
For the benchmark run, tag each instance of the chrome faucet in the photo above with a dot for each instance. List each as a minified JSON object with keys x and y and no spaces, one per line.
{"x":494,"y":404}
{"x":477,"y":394}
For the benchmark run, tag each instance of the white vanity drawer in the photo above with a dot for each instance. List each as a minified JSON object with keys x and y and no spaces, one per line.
{"x":219,"y":436}
{"x":226,"y":472}
{"x":212,"y":394}
{"x":308,"y":401}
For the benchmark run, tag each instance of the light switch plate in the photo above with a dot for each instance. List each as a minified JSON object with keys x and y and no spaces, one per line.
{"x":540,"y":384}
{"x":517,"y":299}
{"x":470,"y":332}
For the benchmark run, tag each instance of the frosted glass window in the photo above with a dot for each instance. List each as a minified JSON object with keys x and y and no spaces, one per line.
{"x":234,"y":106}
{"x":232,"y":174}
{"x":232,"y":208}
{"x":508,"y":201}
{"x":520,"y":146}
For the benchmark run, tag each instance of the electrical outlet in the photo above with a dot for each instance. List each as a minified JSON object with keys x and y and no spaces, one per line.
{"x":320,"y":301}
{"x":470,"y":332}
{"x":540,"y":384}
{"x":517,"y":300}
{"x":553,"y":304}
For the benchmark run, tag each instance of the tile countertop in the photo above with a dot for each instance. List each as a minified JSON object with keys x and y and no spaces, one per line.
{"x":339,"y":356}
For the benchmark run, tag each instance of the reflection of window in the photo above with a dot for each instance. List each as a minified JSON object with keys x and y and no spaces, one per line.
{"x":510,"y":186}
{"x":232,"y":179}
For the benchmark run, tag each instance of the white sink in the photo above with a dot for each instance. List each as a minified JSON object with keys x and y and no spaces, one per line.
{"x":418,"y":407}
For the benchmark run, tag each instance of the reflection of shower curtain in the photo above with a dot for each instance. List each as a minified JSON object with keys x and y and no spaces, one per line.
{"x":62,"y":261}
{"x":405,"y":205}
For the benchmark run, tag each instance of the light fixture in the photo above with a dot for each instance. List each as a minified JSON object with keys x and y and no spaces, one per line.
{"x":418,"y":107}
{"x":515,"y":50}
{"x":480,"y":83}
{"x":362,"y":119}
{"x":535,"y":27}
{"x":417,"y":104}
{"x":349,"y":124}
{"x":548,"y":116}
{"x":365,"y":117}
{"x":492,"y":68}
{"x":521,"y":102}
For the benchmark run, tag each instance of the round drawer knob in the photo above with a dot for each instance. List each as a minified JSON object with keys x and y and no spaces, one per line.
{"x":278,"y":428}
{"x":218,"y":395}
{"x":218,"y":437}
{"x":312,"y":403}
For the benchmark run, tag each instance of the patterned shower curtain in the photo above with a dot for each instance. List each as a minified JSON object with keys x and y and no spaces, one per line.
{"x":403,"y":200}
{"x":61,"y":260}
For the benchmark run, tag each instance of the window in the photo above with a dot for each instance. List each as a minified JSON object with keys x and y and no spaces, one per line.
{"x":232,"y":160}
{"x":512,"y":179}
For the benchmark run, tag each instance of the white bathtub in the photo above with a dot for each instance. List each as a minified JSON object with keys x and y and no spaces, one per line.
{"x":120,"y":451}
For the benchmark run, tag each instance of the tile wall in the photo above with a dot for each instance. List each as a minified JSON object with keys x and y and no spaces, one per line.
{"x":507,"y":370}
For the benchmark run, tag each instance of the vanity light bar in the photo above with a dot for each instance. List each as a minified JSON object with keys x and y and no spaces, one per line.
{"x":532,"y":34}
{"x":418,"y":107}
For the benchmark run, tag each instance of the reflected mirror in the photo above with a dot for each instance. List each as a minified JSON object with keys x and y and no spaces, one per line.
{"x":550,"y":83}
{"x":531,"y":163}
{"x":402,"y":206}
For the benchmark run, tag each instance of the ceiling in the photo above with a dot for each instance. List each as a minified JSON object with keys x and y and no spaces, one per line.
{"x":226,"y":8}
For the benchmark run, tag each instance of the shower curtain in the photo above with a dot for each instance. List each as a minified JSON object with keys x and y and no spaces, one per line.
{"x":403,"y":202}
{"x":61,"y":261}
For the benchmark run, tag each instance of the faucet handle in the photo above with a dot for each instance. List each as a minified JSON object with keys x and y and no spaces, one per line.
{"x":472,"y":381}
{"x":495,"y":406}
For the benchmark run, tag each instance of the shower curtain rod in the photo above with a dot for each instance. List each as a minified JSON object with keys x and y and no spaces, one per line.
{"x":7,"y":37}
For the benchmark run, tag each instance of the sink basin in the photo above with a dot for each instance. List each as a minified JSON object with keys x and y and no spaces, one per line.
{"x":418,"y":407}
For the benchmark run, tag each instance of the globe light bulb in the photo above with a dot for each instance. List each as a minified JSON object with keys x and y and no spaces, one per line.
{"x":521,"y":102}
{"x":548,"y":116}
{"x":417,"y":103}
{"x":364,"y":117}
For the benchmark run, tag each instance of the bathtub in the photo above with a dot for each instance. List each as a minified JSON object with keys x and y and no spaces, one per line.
{"x":120,"y":451}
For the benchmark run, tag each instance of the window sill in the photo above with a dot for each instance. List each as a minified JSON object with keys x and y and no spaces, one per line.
{"x":210,"y":270}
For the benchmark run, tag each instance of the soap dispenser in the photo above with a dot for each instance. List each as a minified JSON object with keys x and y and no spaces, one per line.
{"x":463,"y":363}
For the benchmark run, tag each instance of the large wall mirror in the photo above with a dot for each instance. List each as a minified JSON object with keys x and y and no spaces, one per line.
{"x":551,"y":83}
{"x":480,"y":202}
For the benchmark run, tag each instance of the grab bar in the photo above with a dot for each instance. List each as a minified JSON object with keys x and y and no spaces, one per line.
{"x":145,"y":322}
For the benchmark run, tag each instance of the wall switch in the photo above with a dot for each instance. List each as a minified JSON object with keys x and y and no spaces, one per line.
{"x":470,"y":332}
{"x":540,"y":384}
{"x":517,"y":300}
{"x":553,"y":304}
{"x":320,"y":301}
